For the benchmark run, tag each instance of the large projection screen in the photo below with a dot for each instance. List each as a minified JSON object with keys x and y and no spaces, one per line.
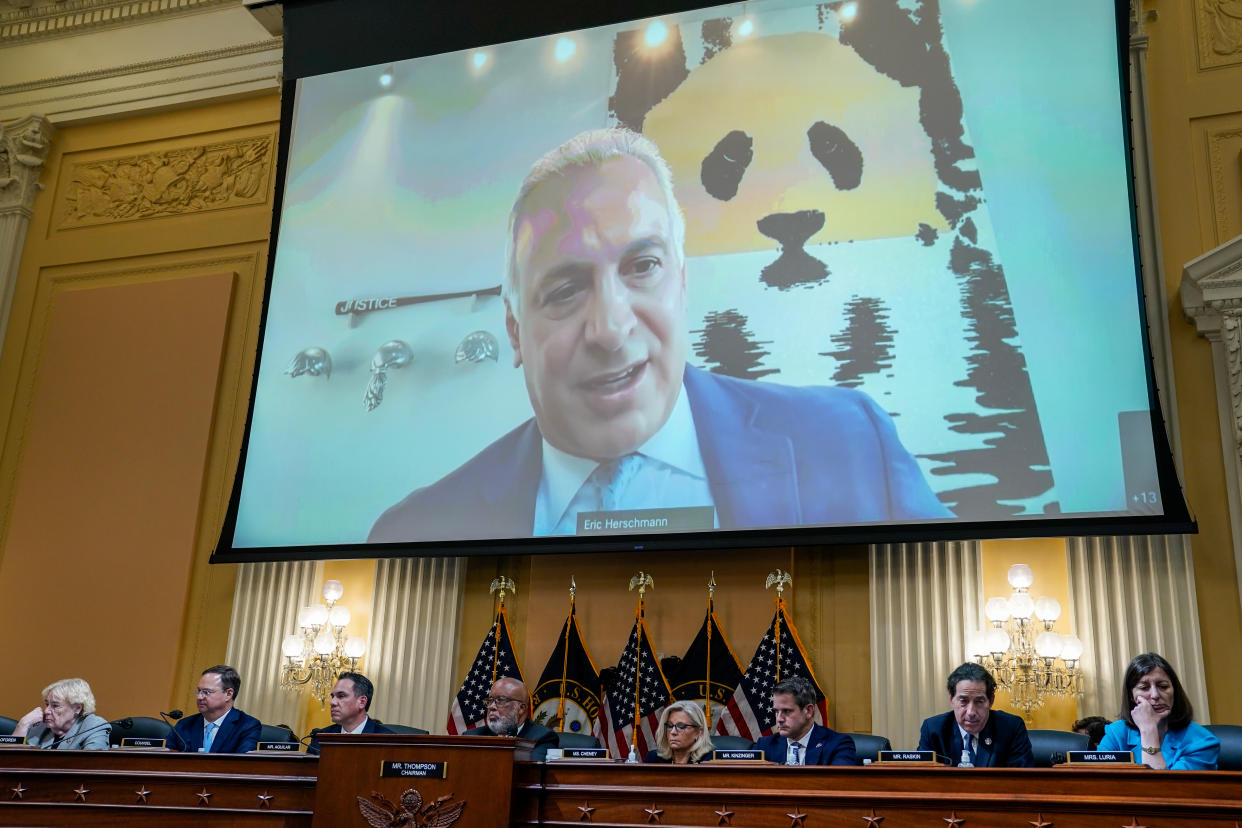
{"x":781,"y":271}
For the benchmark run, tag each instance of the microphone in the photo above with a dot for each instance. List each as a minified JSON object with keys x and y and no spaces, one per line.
{"x":173,"y":714}
{"x":306,"y":740}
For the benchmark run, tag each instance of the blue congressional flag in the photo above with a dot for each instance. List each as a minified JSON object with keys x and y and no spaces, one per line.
{"x":568,"y":695}
{"x":709,"y":671}
{"x":496,"y":659}
{"x":780,"y":655}
{"x":640,"y":683}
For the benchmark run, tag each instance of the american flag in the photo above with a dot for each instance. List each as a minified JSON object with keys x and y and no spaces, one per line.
{"x":652,"y":692}
{"x":749,"y":711}
{"x":493,"y":661}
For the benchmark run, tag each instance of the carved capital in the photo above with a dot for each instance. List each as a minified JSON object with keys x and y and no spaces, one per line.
{"x":1212,"y":286}
{"x":24,"y":147}
{"x":1231,"y":338}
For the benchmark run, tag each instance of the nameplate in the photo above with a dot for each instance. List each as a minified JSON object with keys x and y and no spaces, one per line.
{"x":415,"y":770}
{"x":738,"y":755}
{"x":1099,"y":757}
{"x":577,"y":753}
{"x":925,"y":756}
{"x":12,"y":740}
{"x":632,"y":521}
{"x":142,"y":742}
{"x":278,"y":747}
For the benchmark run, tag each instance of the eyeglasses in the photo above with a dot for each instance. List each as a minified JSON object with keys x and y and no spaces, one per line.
{"x":678,"y":727}
{"x":499,"y":701}
{"x":203,"y":692}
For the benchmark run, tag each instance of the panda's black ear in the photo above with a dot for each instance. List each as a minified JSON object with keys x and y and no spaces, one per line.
{"x":840,"y":156}
{"x":724,"y":166}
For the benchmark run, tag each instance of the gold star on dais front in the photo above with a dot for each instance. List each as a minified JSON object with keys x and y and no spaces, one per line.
{"x":653,"y":813}
{"x":204,"y":798}
{"x":726,"y":816}
{"x":1134,"y":823}
{"x":1039,"y":822}
{"x":142,"y":793}
{"x":797,"y":819}
{"x":18,"y":791}
{"x":81,"y":790}
{"x":873,"y":821}
{"x":954,"y":820}
{"x":587,"y":811}
{"x":265,"y":800}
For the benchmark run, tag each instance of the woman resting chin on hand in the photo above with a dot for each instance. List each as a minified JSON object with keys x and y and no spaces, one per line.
{"x":1157,"y":722}
{"x":66,"y":721}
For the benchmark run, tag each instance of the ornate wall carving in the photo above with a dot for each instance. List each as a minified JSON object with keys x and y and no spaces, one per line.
{"x":33,"y":20}
{"x":168,"y":182}
{"x":1225,"y":161}
{"x":23,"y":149}
{"x":1219,"y":27}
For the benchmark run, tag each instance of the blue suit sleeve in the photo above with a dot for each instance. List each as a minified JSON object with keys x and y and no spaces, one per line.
{"x":1020,"y":753}
{"x":846,"y":753}
{"x":248,"y":736}
{"x":1113,"y":740}
{"x":925,"y":737}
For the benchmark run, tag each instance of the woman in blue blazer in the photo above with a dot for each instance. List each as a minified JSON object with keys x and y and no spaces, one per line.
{"x":1157,"y":722}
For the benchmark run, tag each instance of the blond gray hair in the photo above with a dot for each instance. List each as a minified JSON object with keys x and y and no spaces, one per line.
{"x":585,"y":150}
{"x":72,"y":691}
{"x":701,"y":747}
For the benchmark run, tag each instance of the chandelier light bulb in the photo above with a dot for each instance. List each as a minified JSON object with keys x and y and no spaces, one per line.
{"x":316,"y":615}
{"x":339,"y":616}
{"x":1047,"y":609}
{"x":1021,"y":576}
{"x":304,"y":618}
{"x":291,"y":646}
{"x":1021,"y":606}
{"x":1071,"y":650}
{"x":976,"y":644}
{"x":332,"y":591}
{"x":355,"y":647}
{"x":1048,"y":645}
{"x":325,"y":643}
{"x":996,"y":609}
{"x":997,"y":641}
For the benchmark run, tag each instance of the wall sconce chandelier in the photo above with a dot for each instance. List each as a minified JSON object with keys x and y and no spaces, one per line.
{"x":321,"y":650}
{"x":1028,"y":663}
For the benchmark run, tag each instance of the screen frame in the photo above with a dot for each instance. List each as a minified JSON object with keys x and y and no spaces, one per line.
{"x":369,"y":32}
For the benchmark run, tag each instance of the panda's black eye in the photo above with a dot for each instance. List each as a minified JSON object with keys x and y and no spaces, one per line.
{"x":839,"y":155}
{"x":725,"y":165}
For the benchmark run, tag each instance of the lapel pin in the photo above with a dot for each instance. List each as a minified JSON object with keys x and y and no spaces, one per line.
{"x":988,"y":741}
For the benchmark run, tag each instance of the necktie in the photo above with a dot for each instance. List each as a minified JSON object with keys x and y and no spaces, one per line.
{"x":210,"y":737}
{"x":603,"y":491}
{"x":974,"y":750}
{"x":796,"y":748}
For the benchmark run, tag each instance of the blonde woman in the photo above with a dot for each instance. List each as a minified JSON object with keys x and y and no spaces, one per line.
{"x":67,"y":719}
{"x":682,"y":737}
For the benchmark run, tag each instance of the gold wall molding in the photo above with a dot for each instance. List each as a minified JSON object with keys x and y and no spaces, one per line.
{"x":1225,"y":161}
{"x":71,"y":17}
{"x":158,"y":64}
{"x":171,"y":182}
{"x":1219,"y":27}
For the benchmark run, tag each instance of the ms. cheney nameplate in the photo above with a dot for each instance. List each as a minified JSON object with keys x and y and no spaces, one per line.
{"x":415,"y":770}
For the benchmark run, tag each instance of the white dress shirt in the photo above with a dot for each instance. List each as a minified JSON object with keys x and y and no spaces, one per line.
{"x":672,"y":474}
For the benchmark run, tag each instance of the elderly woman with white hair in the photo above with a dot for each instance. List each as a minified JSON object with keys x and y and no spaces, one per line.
{"x":67,"y":720}
{"x":682,"y":737}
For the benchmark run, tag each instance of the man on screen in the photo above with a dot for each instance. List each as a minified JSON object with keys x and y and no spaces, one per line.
{"x":595,"y":308}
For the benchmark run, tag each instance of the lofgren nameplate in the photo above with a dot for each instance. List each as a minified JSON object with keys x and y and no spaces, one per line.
{"x":12,"y":740}
{"x":414,"y":770}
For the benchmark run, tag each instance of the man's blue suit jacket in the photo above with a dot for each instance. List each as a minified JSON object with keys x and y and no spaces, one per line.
{"x":371,"y":726}
{"x":1003,"y":742}
{"x":825,"y":747}
{"x":775,"y":455}
{"x":238,"y":733}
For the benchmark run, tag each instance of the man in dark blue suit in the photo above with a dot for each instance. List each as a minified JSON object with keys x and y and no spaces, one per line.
{"x":972,"y":734}
{"x":351,"y":699}
{"x":595,"y":308}
{"x":508,"y":714}
{"x":218,"y":726}
{"x":798,"y":740}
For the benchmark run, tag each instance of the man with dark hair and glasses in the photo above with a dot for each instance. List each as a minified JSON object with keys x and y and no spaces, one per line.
{"x":972,"y":734}
{"x":798,"y":740}
{"x":218,"y":726}
{"x":351,"y":699}
{"x":508,"y":714}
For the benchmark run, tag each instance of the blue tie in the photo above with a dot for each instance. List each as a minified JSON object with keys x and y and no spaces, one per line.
{"x":797,"y":759}
{"x":974,"y":750}
{"x":603,"y":491}
{"x":212,"y":727}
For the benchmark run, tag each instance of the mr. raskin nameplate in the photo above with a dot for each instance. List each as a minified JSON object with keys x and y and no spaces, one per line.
{"x":12,"y":740}
{"x":415,"y":770}
{"x":1099,"y":757}
{"x":928,"y":756}
{"x":738,"y":755}
{"x":278,"y":747}
{"x":142,"y":742}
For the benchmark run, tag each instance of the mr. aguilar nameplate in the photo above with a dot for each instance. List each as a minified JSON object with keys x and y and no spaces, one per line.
{"x":926,"y":756}
{"x":1099,"y":757}
{"x":278,"y":747}
{"x":415,"y":770}
{"x":738,"y":755}
{"x":12,"y":740}
{"x":142,"y":742}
